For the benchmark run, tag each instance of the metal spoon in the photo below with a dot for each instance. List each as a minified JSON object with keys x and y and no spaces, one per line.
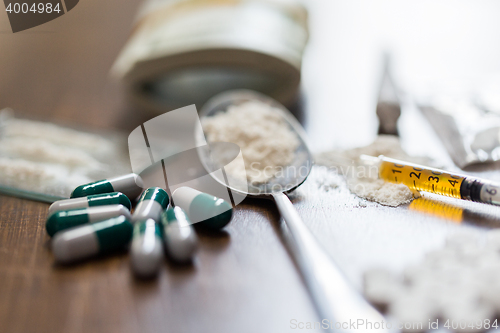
{"x":335,"y":299}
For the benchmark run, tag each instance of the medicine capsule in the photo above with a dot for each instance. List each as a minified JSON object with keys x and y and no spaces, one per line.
{"x":146,"y":252}
{"x":127,"y":184}
{"x":210,"y":211}
{"x":91,"y":239}
{"x":115,"y":198}
{"x":151,"y":204}
{"x":179,"y":236}
{"x":74,"y":217}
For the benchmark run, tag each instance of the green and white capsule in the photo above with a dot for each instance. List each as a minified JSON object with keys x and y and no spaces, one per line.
{"x":210,"y":211}
{"x":179,"y":236}
{"x":130,"y":185}
{"x":91,"y":239}
{"x":115,"y":198}
{"x":151,"y":204}
{"x":71,"y":218}
{"x":146,"y":252}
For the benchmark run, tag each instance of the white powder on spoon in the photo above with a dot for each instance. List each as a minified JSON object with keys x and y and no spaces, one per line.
{"x":267,"y":142}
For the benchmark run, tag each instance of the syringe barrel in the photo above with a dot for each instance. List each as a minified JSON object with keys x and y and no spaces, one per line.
{"x":422,"y":178}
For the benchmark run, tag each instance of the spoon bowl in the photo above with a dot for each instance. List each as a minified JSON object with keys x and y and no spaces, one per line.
{"x":292,"y":175}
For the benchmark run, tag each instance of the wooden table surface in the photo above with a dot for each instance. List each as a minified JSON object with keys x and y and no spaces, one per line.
{"x":243,"y":280}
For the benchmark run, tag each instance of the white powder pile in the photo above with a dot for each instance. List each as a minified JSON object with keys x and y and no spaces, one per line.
{"x":458,"y":282}
{"x":46,"y":151}
{"x":57,"y":135}
{"x":39,"y":177}
{"x":384,"y":193}
{"x":267,"y":143}
{"x":362,"y":180}
{"x":49,"y":159}
{"x":387,"y":145}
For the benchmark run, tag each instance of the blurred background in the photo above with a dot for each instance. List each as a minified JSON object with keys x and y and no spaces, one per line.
{"x":60,"y":70}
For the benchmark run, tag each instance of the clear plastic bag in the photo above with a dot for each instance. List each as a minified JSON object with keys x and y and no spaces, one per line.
{"x":43,"y":161}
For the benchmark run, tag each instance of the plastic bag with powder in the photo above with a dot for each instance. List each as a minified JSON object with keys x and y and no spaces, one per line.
{"x":45,"y":162}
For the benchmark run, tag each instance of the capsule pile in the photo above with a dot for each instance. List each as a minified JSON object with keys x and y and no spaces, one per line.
{"x":99,"y":219}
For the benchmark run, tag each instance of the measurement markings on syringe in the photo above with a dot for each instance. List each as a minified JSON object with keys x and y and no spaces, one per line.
{"x":421,"y":179}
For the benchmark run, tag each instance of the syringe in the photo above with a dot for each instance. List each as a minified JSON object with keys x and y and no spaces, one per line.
{"x":422,"y":178}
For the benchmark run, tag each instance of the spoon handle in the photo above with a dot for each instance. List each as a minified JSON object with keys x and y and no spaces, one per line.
{"x":335,"y":299}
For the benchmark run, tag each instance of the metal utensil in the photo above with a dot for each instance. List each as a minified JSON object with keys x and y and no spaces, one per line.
{"x":334,"y":297}
{"x":389,"y":101}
